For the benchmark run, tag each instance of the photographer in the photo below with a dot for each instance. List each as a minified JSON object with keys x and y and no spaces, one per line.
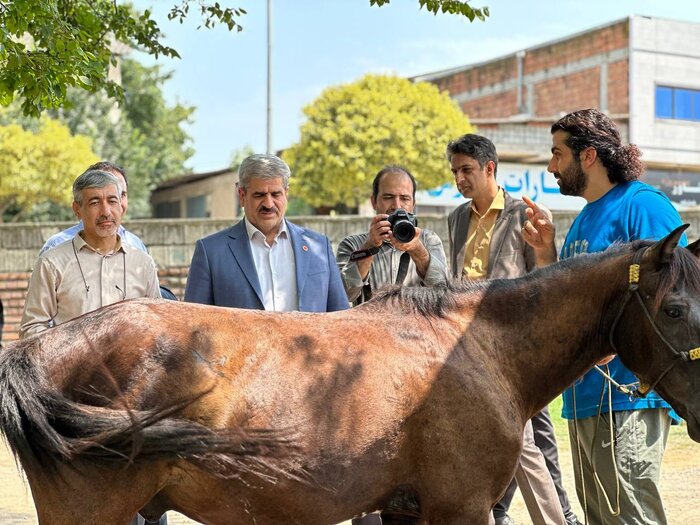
{"x":394,"y":251}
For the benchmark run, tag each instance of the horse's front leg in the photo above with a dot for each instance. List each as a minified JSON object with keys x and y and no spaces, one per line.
{"x":461,"y":517}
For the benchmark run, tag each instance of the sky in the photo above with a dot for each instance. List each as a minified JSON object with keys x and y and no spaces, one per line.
{"x":321,"y":43}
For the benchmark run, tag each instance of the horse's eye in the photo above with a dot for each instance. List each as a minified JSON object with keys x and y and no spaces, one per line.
{"x":673,"y":312}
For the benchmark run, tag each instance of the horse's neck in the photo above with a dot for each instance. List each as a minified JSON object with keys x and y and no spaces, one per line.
{"x":549,"y":330}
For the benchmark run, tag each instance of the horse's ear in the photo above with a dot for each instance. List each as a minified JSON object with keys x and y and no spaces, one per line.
{"x":662,"y":251}
{"x":695,"y":248}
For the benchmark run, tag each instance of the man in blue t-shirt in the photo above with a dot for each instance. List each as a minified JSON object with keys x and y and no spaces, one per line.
{"x":590,"y":161}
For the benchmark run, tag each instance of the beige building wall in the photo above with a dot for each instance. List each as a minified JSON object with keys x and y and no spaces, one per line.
{"x":219,"y":191}
{"x":664,"y":53}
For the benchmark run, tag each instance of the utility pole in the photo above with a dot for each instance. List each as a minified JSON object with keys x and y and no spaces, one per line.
{"x":269,"y":76}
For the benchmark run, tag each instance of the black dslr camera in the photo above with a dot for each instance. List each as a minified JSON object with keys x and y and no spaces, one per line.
{"x":403,"y":225}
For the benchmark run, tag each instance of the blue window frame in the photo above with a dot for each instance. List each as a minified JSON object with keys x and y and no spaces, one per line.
{"x":677,"y":103}
{"x":664,"y":102}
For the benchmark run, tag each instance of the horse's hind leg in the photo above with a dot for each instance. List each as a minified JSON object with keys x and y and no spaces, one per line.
{"x":71,"y":507}
{"x":399,"y":519}
{"x":402,"y":508}
{"x":71,"y":496}
{"x":72,"y":514}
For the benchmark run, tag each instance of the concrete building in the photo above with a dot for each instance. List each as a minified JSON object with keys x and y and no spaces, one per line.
{"x":210,"y":195}
{"x":644,"y":72}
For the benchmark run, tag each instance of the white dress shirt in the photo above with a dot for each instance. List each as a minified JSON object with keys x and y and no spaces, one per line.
{"x":276,"y":268}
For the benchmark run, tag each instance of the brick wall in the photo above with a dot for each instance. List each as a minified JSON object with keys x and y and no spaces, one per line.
{"x":618,"y":87}
{"x":558,"y":77}
{"x":577,"y":47}
{"x":13,"y":287}
{"x":568,"y":93}
{"x":500,"y":105}
{"x":490,"y":73}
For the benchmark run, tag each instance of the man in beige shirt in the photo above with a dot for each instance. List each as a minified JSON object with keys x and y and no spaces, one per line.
{"x":94,"y":268}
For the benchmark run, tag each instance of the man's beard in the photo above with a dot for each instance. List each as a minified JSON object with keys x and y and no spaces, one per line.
{"x":572,"y":180}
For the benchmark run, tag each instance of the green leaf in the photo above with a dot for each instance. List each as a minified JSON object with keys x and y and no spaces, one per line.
{"x":71,"y":40}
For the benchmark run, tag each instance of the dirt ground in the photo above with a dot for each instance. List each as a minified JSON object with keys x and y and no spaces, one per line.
{"x":680,"y":479}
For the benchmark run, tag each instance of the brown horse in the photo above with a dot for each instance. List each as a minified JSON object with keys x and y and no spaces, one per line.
{"x":415,"y":401}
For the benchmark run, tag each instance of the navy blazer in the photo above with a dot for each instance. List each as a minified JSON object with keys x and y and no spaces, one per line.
{"x":222,"y":272}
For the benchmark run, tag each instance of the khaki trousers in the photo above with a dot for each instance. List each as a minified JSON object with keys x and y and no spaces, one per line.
{"x":638,"y":442}
{"x":536,"y":485}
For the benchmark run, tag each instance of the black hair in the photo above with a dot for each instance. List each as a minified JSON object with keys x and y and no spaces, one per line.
{"x":392,"y":168}
{"x":589,"y":128}
{"x":475,"y":146}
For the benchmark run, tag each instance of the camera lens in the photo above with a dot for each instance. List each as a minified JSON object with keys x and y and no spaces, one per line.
{"x":404,"y":231}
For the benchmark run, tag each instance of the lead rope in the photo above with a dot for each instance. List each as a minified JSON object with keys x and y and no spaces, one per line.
{"x":633,"y":281}
{"x":616,"y":510}
{"x":580,"y":457}
{"x":613,"y":512}
{"x":631,"y":389}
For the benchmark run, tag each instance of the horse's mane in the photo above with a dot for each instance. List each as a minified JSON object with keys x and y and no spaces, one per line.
{"x":684,"y":266}
{"x":436,"y":301}
{"x":432,"y":301}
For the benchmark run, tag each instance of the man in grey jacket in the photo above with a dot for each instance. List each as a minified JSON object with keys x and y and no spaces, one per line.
{"x":368,"y":261}
{"x":486,"y":243}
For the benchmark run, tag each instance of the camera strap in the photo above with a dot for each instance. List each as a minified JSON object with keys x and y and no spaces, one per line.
{"x":403,"y":268}
{"x":363,"y":254}
{"x":400,"y":277}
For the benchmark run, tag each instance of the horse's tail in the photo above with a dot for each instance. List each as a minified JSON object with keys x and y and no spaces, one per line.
{"x":44,"y":428}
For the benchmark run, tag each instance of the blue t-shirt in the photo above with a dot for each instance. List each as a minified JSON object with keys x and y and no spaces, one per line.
{"x":629,"y":211}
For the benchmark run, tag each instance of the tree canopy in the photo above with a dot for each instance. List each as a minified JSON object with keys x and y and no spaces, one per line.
{"x":351,"y":131}
{"x":145,"y":135}
{"x":453,"y":7}
{"x":48,"y":46}
{"x":40,"y":165}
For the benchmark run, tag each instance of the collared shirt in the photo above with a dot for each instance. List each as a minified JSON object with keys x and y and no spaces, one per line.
{"x":476,"y":253}
{"x":276,"y":268}
{"x":73,"y":279}
{"x":385,"y":266}
{"x":67,"y":234}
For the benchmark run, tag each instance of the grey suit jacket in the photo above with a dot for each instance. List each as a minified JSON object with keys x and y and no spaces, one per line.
{"x":509,"y":254}
{"x":222,"y":272}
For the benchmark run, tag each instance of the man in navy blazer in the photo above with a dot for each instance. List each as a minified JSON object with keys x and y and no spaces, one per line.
{"x":265,"y":262}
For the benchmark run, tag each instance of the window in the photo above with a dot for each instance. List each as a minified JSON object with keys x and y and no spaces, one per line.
{"x":167,"y":210}
{"x":664,"y":102}
{"x":677,"y":103}
{"x":197,"y":206}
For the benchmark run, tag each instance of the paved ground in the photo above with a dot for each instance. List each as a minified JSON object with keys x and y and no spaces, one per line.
{"x":680,"y":481}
